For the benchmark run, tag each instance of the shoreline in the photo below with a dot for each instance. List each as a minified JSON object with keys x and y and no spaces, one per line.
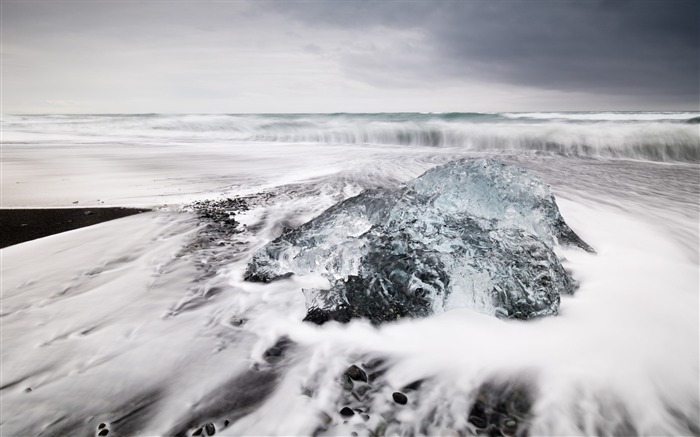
{"x":18,"y":225}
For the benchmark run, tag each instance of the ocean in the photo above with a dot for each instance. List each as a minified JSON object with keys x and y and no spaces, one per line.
{"x":146,"y":326}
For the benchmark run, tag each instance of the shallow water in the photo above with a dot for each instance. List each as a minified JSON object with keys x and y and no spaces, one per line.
{"x":145,"y":323}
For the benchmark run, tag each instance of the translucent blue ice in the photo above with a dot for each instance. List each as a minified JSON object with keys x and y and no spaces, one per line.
{"x":473,"y":233}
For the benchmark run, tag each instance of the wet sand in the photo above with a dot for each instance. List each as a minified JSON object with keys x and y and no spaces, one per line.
{"x":19,"y":225}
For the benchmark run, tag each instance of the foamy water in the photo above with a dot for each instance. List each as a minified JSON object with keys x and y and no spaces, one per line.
{"x":128,"y":323}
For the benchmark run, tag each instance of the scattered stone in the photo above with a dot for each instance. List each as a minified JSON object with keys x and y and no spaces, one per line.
{"x":28,"y":390}
{"x":226,"y":422}
{"x":347,"y":383}
{"x":361,"y":390}
{"x":276,"y":352}
{"x":210,"y":428}
{"x":400,"y":398}
{"x":477,"y":416}
{"x":510,"y":424}
{"x":356,"y":374}
{"x":503,"y":407}
{"x":364,"y":416}
{"x":221,"y":211}
{"x":101,"y":425}
{"x":347,"y":412}
{"x":198,"y":431}
{"x":103,"y":433}
{"x":353,"y":434}
{"x":87,"y":212}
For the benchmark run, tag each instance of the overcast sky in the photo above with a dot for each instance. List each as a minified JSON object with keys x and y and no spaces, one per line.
{"x":360,"y":56}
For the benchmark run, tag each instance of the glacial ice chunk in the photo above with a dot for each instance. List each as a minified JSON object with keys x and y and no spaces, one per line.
{"x":472,"y":233}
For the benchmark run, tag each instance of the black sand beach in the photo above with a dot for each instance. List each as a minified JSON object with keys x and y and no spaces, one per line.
{"x":19,"y":225}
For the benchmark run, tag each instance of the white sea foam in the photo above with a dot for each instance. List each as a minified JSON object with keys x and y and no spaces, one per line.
{"x":604,"y":116}
{"x":649,"y":136}
{"x":128,"y":319}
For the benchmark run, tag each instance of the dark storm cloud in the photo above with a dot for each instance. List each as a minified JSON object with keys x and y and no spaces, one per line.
{"x":645,"y":50}
{"x":329,"y":56}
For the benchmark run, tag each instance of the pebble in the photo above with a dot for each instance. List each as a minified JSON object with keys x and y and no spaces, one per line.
{"x":356,"y":374}
{"x":477,"y":421}
{"x":101,"y":425}
{"x":347,"y":382}
{"x":511,"y":423}
{"x":274,"y":352}
{"x":362,"y":390}
{"x":347,"y":412}
{"x":103,"y":433}
{"x":210,"y":428}
{"x":198,"y":431}
{"x":400,"y":398}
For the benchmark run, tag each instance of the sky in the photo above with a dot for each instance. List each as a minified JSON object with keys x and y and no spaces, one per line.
{"x":349,"y":56}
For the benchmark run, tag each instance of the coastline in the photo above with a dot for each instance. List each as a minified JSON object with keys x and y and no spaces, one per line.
{"x":18,"y":225}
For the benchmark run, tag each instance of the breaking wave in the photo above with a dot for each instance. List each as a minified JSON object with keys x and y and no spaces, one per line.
{"x":645,"y":136}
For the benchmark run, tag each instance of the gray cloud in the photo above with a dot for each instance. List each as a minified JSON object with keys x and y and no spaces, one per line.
{"x":643,"y":50}
{"x":272,"y":56}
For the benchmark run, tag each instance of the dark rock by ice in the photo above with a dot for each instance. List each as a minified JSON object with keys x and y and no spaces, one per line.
{"x":472,"y":233}
{"x":347,"y":412}
{"x":400,"y":398}
{"x":356,"y":374}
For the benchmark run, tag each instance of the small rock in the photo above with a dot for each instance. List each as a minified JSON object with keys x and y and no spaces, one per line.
{"x":400,"y":398}
{"x":210,"y":428}
{"x":478,"y":421}
{"x":347,"y":412}
{"x":198,"y":431}
{"x":361,"y":390}
{"x":273,"y":352}
{"x":28,"y":390}
{"x":510,"y":425}
{"x":87,"y":213}
{"x":226,"y":422}
{"x":101,"y":425}
{"x":347,"y":382}
{"x":103,"y":433}
{"x":364,"y":416}
{"x":356,"y":374}
{"x":75,"y":202}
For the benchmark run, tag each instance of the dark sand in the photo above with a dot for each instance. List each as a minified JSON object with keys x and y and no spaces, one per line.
{"x":19,"y":225}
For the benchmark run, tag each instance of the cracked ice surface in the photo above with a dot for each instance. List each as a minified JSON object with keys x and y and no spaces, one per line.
{"x":472,"y":233}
